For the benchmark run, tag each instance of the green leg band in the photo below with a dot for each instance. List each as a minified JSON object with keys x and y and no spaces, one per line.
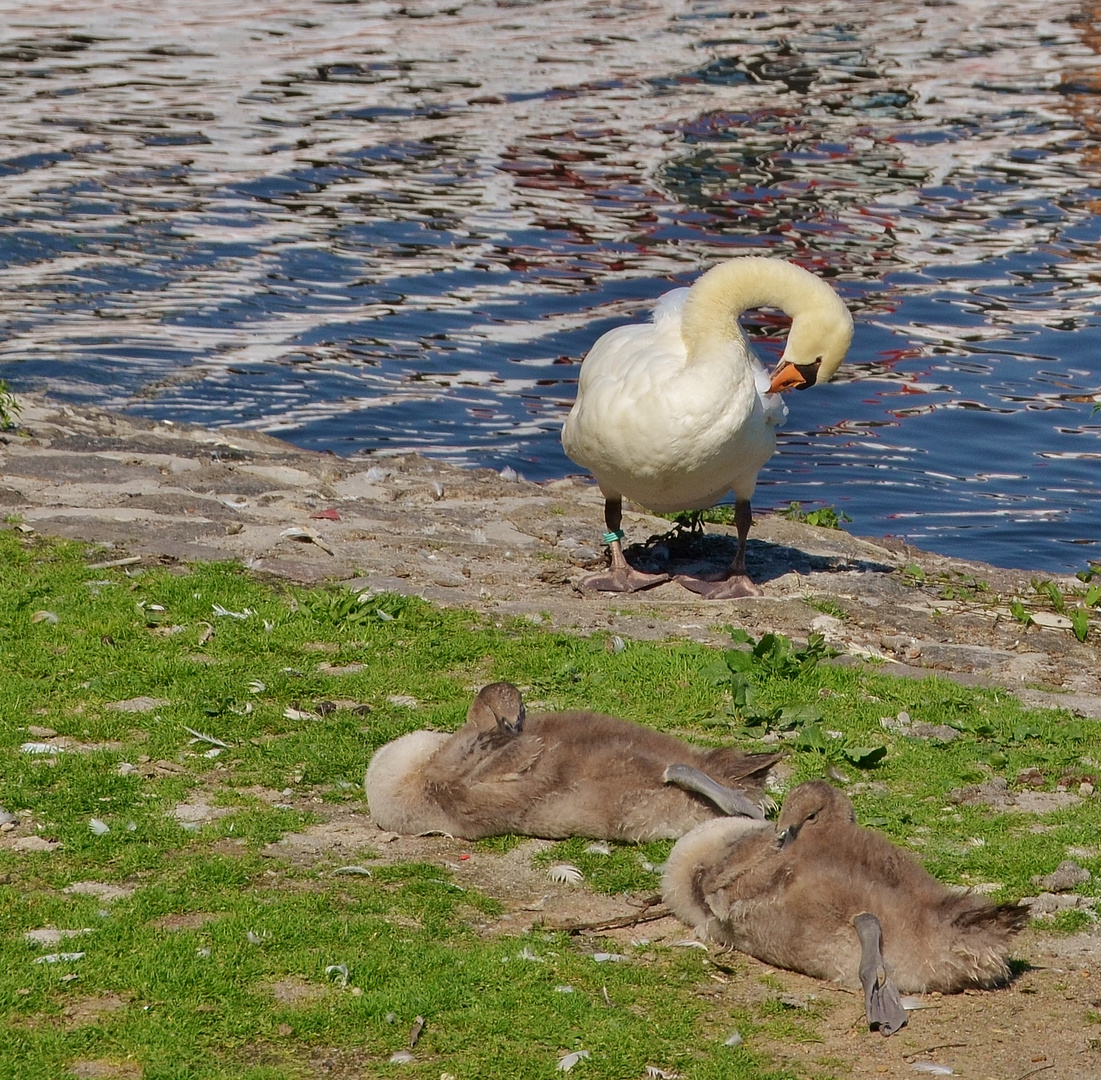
{"x":612,"y":537}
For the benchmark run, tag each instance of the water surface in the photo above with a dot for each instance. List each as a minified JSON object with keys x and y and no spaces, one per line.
{"x":375,"y":227}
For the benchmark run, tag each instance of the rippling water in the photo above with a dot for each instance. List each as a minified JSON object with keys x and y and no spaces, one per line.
{"x":375,"y":226}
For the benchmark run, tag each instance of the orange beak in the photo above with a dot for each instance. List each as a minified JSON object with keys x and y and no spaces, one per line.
{"x":789,"y":376}
{"x":786,"y":377}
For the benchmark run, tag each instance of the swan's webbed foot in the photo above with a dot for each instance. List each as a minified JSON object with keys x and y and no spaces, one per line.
{"x":733,"y":587}
{"x":620,"y":576}
{"x":735,"y":584}
{"x":882,"y":1004}
{"x":623,"y":579}
{"x":730,"y":802}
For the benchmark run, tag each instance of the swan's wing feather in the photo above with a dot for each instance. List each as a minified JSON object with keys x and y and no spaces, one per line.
{"x":669,"y":306}
{"x":666,"y":433}
{"x":631,"y":352}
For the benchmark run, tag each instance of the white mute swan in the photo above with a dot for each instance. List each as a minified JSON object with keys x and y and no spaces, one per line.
{"x":556,"y":775}
{"x":817,"y":893}
{"x":675,"y":413}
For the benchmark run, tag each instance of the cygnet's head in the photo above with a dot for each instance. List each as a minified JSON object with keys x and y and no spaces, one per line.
{"x":812,"y":808}
{"x":498,"y":707}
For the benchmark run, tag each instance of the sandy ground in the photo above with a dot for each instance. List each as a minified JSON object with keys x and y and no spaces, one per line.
{"x":502,"y":545}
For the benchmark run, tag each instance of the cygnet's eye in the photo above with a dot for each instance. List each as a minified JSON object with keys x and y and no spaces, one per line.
{"x":813,"y":817}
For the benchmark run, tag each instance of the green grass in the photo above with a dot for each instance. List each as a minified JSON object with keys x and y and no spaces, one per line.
{"x":197,"y":956}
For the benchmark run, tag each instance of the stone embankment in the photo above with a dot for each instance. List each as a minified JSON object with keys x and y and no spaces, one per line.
{"x":497,"y":543}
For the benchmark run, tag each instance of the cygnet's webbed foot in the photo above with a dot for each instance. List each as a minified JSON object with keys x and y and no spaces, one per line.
{"x":882,"y":1005}
{"x":734,"y":587}
{"x":729,"y":801}
{"x":623,"y":579}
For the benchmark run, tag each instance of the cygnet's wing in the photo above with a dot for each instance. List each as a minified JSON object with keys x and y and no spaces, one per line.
{"x":509,"y":763}
{"x":492,"y":790}
{"x":735,"y":768}
{"x":753,"y":869}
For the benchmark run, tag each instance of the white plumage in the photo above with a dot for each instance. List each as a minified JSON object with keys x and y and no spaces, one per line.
{"x":676,"y":413}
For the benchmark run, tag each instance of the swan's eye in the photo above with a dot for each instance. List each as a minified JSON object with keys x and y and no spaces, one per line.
{"x":813,"y":817}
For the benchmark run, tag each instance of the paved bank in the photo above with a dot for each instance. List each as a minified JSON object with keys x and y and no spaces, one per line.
{"x":499,"y":544}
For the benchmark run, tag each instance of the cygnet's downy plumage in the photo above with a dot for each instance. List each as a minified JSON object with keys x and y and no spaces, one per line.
{"x":821,"y":895}
{"x":557,"y":775}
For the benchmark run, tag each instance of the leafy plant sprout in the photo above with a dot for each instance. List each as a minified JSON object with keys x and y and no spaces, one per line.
{"x":10,"y":408}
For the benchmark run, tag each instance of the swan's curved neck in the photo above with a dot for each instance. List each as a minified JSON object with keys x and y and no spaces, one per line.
{"x":713,"y":304}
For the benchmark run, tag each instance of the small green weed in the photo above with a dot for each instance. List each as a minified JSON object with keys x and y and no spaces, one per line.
{"x":826,"y":606}
{"x":774,"y":659}
{"x":961,"y":586}
{"x":742,"y":672}
{"x":1020,"y":612}
{"x":952,"y":585}
{"x":1087,"y":600}
{"x":826,"y":517}
{"x":10,"y":408}
{"x":688,"y":524}
{"x":351,"y":610}
{"x":913,"y":574}
{"x":1052,"y":593}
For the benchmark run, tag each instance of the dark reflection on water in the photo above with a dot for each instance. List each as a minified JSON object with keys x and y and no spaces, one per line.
{"x":377,"y":227}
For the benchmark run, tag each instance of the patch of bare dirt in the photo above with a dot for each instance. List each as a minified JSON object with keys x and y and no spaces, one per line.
{"x":105,"y":1069}
{"x":295,"y":991}
{"x":349,"y":843}
{"x":323,"y":1063}
{"x":90,"y":1010}
{"x":1036,"y":1024}
{"x":197,"y":811}
{"x":189,"y":920}
{"x":100,"y":889}
{"x":138,"y":704}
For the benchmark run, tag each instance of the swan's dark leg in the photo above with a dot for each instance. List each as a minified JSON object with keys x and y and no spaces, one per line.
{"x":735,"y":584}
{"x":881,"y":1001}
{"x":729,"y":801}
{"x":619,"y":577}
